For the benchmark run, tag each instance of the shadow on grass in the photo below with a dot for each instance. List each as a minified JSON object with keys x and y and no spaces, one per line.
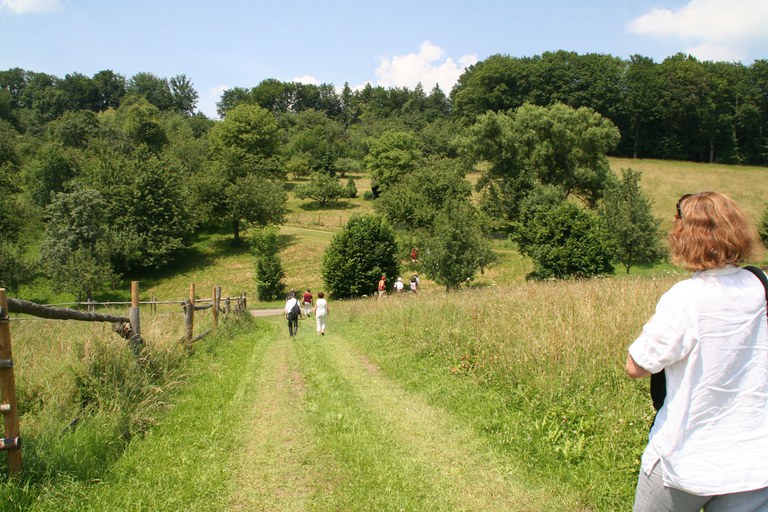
{"x":204,"y":252}
{"x":315,"y":206}
{"x":287,"y":241}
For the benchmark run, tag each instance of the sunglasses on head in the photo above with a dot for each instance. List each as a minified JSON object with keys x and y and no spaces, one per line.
{"x":679,"y":202}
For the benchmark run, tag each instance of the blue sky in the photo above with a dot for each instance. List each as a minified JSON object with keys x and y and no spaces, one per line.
{"x":227,"y":43}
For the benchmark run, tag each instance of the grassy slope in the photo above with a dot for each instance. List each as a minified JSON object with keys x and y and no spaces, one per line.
{"x":464,"y":362}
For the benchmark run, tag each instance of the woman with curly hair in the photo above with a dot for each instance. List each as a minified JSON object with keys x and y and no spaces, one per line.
{"x":708,"y":446}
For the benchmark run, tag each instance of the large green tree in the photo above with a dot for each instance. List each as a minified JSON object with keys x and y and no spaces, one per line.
{"x":75,"y":250}
{"x":564,"y":239}
{"x":183,"y":94}
{"x":414,"y":201}
{"x":269,"y":270}
{"x":322,"y":188}
{"x":244,"y":157}
{"x":393,"y":156}
{"x":48,"y":173}
{"x":14,"y":220}
{"x":556,"y":145}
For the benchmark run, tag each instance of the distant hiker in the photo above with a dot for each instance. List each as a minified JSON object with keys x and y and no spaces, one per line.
{"x":306,"y":303}
{"x":292,"y":313}
{"x":399,"y":285}
{"x":414,"y":255}
{"x":321,"y":313}
{"x":382,"y":286}
{"x":414,"y":282}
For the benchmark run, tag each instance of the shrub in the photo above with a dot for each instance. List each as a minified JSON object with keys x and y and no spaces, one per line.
{"x":350,"y":190}
{"x":358,"y":255}
{"x":323,"y":188}
{"x":566,"y":241}
{"x":269,"y":269}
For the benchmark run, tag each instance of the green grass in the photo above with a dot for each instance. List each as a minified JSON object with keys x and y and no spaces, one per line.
{"x":536,"y":368}
{"x":183,"y":462}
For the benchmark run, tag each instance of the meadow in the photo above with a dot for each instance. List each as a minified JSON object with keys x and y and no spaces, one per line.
{"x":536,"y":368}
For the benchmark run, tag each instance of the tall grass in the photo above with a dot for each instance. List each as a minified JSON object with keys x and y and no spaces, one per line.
{"x":84,"y":394}
{"x":536,"y":367}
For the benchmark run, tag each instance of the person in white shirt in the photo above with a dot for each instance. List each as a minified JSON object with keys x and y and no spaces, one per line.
{"x":399,"y":285}
{"x":708,"y":446}
{"x":321,"y":313}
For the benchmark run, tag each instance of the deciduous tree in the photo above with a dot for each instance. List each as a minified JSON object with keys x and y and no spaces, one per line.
{"x":393,"y":156}
{"x":244,"y":146}
{"x":562,"y":238}
{"x":269,"y":270}
{"x":626,"y":212}
{"x":322,"y":188}
{"x":456,"y":245}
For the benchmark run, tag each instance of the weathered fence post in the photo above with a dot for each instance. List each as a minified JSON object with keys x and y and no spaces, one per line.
{"x":190,"y":317}
{"x":245,"y":302}
{"x":227,"y":305}
{"x":11,"y":441}
{"x":133,"y":316}
{"x":216,"y":301}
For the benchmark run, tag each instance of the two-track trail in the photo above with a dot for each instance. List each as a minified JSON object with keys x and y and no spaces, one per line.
{"x":327,"y":430}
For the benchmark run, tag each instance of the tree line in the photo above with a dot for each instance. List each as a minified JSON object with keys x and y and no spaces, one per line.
{"x":107,"y":176}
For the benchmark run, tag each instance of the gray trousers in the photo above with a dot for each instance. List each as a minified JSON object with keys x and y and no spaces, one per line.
{"x":652,"y":496}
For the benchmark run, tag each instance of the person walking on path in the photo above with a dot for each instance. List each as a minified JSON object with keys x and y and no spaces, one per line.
{"x":321,"y":313}
{"x":414,"y":283}
{"x":306,"y":303}
{"x":292,"y":313}
{"x":708,"y":446}
{"x":382,"y":286}
{"x":399,"y":285}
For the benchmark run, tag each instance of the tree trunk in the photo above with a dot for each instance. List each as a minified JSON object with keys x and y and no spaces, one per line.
{"x":236,"y":231}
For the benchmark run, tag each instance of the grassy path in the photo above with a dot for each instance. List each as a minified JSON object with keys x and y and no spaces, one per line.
{"x":306,"y":424}
{"x":329,"y":431}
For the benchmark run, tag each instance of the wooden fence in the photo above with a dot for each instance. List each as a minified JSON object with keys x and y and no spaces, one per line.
{"x":128,"y":327}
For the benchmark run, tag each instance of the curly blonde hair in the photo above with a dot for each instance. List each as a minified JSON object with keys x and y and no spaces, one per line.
{"x":711,"y":231}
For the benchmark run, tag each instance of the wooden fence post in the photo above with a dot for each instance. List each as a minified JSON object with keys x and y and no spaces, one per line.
{"x":190,"y":318}
{"x":133,"y":315}
{"x":8,"y":408}
{"x":216,"y":301}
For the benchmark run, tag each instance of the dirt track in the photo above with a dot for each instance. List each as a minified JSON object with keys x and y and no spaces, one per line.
{"x":266,"y":312}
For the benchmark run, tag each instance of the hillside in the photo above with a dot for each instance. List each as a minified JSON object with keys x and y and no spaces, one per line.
{"x":308,"y":231}
{"x":507,"y":396}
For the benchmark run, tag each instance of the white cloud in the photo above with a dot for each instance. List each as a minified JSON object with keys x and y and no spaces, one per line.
{"x":306,"y":79}
{"x":30,"y":6}
{"x":714,"y":29}
{"x":207,"y":101}
{"x":429,"y":66}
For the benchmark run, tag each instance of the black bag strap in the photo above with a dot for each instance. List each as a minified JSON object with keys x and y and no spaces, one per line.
{"x":761,"y":276}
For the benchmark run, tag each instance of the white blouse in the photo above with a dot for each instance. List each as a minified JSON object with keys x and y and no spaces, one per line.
{"x":710,"y":335}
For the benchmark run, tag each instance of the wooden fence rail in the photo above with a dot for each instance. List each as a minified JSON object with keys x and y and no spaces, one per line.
{"x":128,"y":327}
